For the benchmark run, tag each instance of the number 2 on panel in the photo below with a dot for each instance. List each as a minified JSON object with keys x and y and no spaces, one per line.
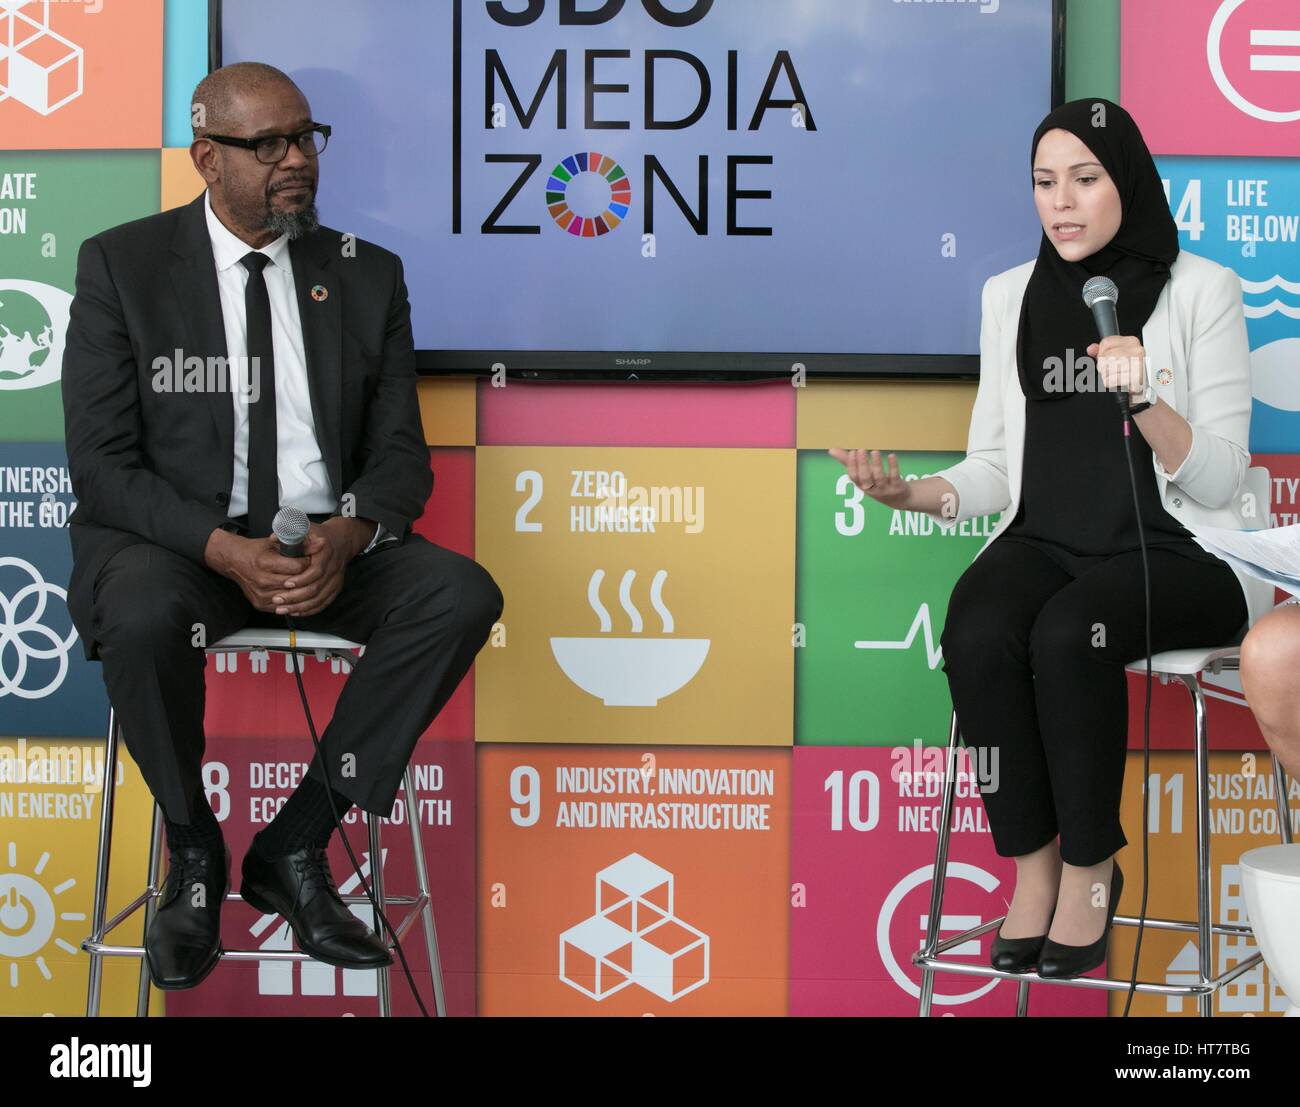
{"x":526,"y":478}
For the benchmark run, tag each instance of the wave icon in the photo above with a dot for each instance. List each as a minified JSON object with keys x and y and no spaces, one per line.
{"x":1275,"y":306}
{"x":632,"y":671}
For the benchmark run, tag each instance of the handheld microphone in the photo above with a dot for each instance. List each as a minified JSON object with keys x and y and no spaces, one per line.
{"x":1101,"y":296}
{"x":290,"y":527}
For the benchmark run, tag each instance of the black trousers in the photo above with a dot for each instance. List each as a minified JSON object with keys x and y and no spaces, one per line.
{"x":1035,"y":654}
{"x":422,"y":611}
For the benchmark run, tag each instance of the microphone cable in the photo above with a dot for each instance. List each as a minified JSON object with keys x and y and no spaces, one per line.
{"x":1146,"y":713}
{"x":319,"y":758}
{"x":1102,"y":297}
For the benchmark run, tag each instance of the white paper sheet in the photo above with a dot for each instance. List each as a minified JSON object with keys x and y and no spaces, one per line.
{"x":1272,"y":555}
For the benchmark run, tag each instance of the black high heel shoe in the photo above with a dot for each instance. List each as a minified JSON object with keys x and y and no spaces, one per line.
{"x":1061,"y":962}
{"x":1016,"y":954}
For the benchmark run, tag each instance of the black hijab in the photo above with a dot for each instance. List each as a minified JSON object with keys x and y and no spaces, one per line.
{"x":1053,"y":316}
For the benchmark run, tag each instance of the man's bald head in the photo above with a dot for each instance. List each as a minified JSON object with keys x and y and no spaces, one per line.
{"x":257,"y":200}
{"x":220,"y":100}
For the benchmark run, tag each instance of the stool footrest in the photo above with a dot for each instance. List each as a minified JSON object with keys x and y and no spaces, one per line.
{"x":1208,"y":987}
{"x":416,"y":904}
{"x":1204,"y":987}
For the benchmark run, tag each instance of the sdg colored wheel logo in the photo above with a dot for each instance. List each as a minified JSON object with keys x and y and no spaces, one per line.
{"x":590,"y":183}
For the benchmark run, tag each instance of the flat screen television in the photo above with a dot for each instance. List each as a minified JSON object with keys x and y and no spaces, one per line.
{"x":678,"y":188}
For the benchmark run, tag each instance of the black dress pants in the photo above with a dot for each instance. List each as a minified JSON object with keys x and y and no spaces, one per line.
{"x":422,"y":611}
{"x":1034,"y":652}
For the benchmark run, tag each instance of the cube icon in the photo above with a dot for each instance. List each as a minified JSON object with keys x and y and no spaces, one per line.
{"x":34,"y":11}
{"x":596,"y":957}
{"x":38,"y":66}
{"x":634,"y":937}
{"x":671,"y":959}
{"x":636,"y":892}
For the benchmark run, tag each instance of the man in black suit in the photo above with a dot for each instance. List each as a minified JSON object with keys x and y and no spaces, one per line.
{"x":223,"y":360}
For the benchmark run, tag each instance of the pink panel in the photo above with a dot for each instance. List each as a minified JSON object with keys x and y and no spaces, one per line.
{"x":1169,"y":53}
{"x":867,"y":889}
{"x":637,"y":413}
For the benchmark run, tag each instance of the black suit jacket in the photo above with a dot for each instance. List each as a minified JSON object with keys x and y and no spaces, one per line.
{"x":158,"y":466}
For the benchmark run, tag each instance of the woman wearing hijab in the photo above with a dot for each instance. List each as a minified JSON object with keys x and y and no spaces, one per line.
{"x":1042,"y":623}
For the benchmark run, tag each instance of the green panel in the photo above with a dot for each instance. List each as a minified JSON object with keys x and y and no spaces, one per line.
{"x":1092,"y":49}
{"x":869,"y":585}
{"x":77,"y":194}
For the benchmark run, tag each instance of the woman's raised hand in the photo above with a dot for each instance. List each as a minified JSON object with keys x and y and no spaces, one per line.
{"x":880,"y":482}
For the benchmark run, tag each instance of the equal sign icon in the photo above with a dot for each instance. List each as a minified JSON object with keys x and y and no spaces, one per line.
{"x":1276,"y":63}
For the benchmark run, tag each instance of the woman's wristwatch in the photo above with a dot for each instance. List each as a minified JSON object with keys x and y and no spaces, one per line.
{"x":1149,"y":397}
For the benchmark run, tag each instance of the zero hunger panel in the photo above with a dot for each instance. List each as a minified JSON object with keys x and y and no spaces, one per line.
{"x":634,"y":185}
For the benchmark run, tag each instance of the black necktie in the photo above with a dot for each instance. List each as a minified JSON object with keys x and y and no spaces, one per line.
{"x":263,"y":483}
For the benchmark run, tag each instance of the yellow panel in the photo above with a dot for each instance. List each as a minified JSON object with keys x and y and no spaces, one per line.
{"x":447,"y":410}
{"x":884,"y":415}
{"x":180,"y":180}
{"x":666,"y":602}
{"x":49,"y":832}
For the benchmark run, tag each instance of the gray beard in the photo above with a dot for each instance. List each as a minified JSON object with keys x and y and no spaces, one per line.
{"x":294,"y":224}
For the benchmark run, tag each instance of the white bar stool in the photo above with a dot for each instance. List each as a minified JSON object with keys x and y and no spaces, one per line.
{"x":1270,"y":880}
{"x":254,"y":640}
{"x":1183,"y":665}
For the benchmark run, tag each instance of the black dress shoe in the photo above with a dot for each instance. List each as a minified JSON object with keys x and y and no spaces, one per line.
{"x":1016,"y":954}
{"x":183,"y":942}
{"x":301,"y":887}
{"x":1062,"y":962}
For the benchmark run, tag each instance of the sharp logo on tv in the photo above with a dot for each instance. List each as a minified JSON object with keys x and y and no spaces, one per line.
{"x":587,"y":193}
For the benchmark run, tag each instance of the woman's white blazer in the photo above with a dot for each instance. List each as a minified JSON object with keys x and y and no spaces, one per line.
{"x":1197,"y":333}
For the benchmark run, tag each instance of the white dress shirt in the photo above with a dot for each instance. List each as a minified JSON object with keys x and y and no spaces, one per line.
{"x":304,"y":481}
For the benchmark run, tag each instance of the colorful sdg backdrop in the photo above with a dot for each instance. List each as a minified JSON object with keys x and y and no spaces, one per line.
{"x":676,"y":789}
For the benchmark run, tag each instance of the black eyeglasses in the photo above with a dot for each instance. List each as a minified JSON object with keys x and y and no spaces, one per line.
{"x":270,"y":149}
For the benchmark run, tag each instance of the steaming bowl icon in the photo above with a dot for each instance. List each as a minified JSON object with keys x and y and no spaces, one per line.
{"x":630,"y":672}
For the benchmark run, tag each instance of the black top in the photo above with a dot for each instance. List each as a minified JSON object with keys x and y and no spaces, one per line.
{"x":1076,"y":499}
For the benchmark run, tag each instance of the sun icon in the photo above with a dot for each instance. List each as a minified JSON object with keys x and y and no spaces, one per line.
{"x":29,"y":915}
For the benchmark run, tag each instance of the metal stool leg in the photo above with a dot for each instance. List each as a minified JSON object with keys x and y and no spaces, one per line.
{"x":422,"y":881}
{"x":95,"y":976}
{"x":1283,"y":811}
{"x":1022,"y":999}
{"x":377,"y":886}
{"x":1204,"y":908}
{"x":940,"y":869}
{"x":150,"y":907}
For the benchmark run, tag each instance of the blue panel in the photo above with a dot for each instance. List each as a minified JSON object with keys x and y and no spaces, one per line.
{"x":1245,"y":213}
{"x":47,"y":688}
{"x":185,"y":62}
